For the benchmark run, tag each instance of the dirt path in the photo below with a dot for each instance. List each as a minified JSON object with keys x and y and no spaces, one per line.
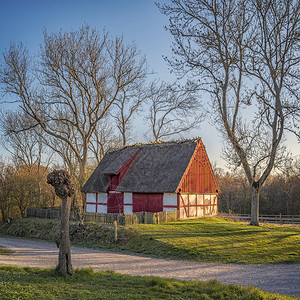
{"x":279,"y":278}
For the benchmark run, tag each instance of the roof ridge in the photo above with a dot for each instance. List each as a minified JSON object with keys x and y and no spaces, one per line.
{"x":159,"y":143}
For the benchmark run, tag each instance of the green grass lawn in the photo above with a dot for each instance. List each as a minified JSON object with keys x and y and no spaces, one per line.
{"x":209,"y":240}
{"x":219,"y":240}
{"x":29,"y":283}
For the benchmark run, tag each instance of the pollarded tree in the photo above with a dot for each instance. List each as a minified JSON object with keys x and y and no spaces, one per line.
{"x":64,"y":189}
{"x":245,"y":55}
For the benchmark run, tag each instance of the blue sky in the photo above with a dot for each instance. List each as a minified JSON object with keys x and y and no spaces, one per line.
{"x":137,"y":20}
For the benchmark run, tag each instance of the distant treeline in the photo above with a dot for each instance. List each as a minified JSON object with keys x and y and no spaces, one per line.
{"x":23,"y":186}
{"x":280,"y":194}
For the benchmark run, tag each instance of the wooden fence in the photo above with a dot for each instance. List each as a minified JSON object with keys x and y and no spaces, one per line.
{"x":122,"y":219}
{"x":275,"y":219}
{"x":46,"y":213}
{"x":133,"y":218}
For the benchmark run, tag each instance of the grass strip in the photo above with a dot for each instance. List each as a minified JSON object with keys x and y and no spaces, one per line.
{"x":31,"y":283}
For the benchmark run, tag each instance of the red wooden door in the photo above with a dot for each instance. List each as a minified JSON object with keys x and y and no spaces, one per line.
{"x":147,"y":202}
{"x":115,"y":203}
{"x":139,"y":202}
{"x":155,"y":202}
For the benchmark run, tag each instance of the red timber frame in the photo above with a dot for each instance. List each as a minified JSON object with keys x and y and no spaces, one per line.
{"x":197,"y":180}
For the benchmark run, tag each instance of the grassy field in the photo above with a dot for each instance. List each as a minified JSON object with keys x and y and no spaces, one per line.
{"x":210,"y":240}
{"x":29,"y":283}
{"x":219,"y":240}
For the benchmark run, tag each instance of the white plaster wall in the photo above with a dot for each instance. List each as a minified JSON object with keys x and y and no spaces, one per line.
{"x":185,"y":200}
{"x":192,"y":211}
{"x":214,"y":200}
{"x":200,"y":199}
{"x":170,"y":199}
{"x":207,"y":196}
{"x":127,"y":198}
{"x":91,"y":197}
{"x":199,"y":211}
{"x":170,"y":208}
{"x":102,"y":209}
{"x":91,"y":208}
{"x":102,"y":198}
{"x":182,"y":213}
{"x":192,"y":198}
{"x":127,"y":209}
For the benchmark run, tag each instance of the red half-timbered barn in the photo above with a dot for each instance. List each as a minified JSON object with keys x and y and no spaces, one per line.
{"x":154,"y":177}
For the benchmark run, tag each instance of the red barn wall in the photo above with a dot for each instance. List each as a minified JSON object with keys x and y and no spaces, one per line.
{"x":199,"y":177}
{"x":147,"y":202}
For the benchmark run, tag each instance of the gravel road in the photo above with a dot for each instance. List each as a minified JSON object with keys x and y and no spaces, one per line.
{"x":276,"y":278}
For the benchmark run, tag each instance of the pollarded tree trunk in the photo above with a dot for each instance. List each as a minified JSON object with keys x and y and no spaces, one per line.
{"x":64,"y":258}
{"x":64,"y":188}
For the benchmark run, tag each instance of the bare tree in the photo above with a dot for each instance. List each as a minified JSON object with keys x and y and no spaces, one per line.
{"x":245,"y":54}
{"x":128,"y":103}
{"x":64,"y":189}
{"x":126,"y":106}
{"x":25,"y":146}
{"x":103,"y":138}
{"x":72,"y":85}
{"x":172,"y":110}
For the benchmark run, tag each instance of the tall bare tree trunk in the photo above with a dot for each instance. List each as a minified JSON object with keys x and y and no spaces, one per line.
{"x":255,"y":206}
{"x":64,"y":257}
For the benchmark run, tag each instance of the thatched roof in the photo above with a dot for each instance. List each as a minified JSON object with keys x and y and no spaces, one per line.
{"x":157,"y":168}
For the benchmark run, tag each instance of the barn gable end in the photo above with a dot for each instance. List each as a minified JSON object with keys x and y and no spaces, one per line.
{"x":199,"y":177}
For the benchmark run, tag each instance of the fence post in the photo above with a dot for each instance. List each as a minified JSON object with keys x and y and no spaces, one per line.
{"x":280,"y":217}
{"x":116,"y":230}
